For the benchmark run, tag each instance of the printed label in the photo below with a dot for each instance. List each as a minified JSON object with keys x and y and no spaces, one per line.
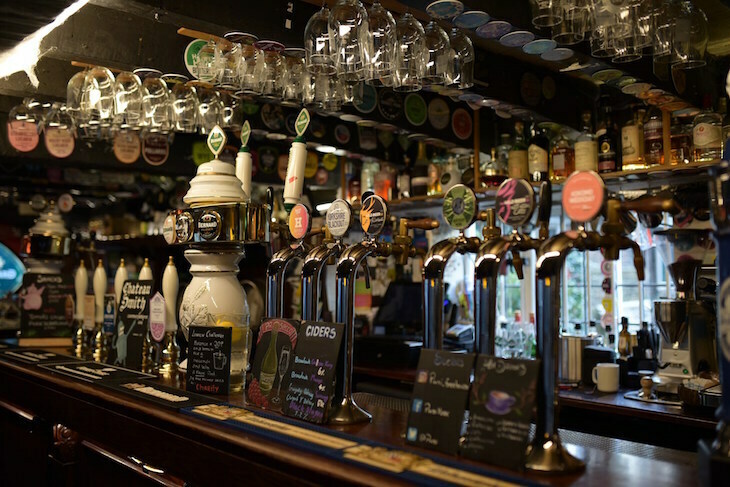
{"x":127,"y":147}
{"x":23,"y":136}
{"x":517,"y":164}
{"x":209,"y":225}
{"x":537,"y":159}
{"x":586,"y":155}
{"x":630,"y":145}
{"x":707,"y":135}
{"x":299,"y":221}
{"x":59,"y":142}
{"x":339,"y":218}
{"x":583,"y":196}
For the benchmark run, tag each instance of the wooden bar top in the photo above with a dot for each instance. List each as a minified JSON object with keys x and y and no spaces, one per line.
{"x":204,"y":453}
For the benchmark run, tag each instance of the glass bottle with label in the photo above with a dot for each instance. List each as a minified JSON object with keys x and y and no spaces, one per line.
{"x":434,"y":177}
{"x":537,"y":154}
{"x":419,"y":174}
{"x":624,"y":339}
{"x":653,"y":137}
{"x":404,"y":179}
{"x":632,"y":157}
{"x":707,"y":135}
{"x":269,"y":363}
{"x":563,"y":157}
{"x":517,"y":157}
{"x":503,"y":150}
{"x":609,"y":159}
{"x":681,"y":139}
{"x":586,"y":150}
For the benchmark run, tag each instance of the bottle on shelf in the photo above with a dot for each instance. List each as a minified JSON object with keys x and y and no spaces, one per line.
{"x":419,"y":173}
{"x":681,"y":139}
{"x":632,"y":155}
{"x":653,"y":137}
{"x":563,"y":157}
{"x":517,"y":158}
{"x":434,"y":177}
{"x":707,"y":134}
{"x":269,"y":364}
{"x":609,"y":155}
{"x":404,"y":179}
{"x":502,"y":151}
{"x":586,"y":150}
{"x":493,"y":171}
{"x":451,"y":175}
{"x":354,"y":188}
{"x":624,"y":339}
{"x":537,"y":154}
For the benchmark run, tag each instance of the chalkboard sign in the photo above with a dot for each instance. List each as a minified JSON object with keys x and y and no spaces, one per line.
{"x":209,"y":359}
{"x":500,"y":409}
{"x":277,"y":339}
{"x":311,"y":380}
{"x":439,"y":400}
{"x":46,"y":306}
{"x":132,"y":324}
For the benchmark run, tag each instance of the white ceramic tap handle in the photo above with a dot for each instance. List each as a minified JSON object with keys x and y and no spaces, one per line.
{"x":121,"y":275}
{"x":170,"y":287}
{"x":99,"y":291}
{"x":81,"y":285}
{"x":145,"y":273}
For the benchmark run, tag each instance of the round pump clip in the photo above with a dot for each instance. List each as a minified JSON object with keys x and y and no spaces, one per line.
{"x":339,"y":218}
{"x":515,"y":202}
{"x":373,"y":215}
{"x":299,"y":222}
{"x":460,"y":207}
{"x":584,"y":195}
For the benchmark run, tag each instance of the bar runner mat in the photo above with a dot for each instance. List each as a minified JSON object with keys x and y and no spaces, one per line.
{"x":419,"y":468}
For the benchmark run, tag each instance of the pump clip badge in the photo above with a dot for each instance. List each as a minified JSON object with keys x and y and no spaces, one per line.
{"x":460,"y":207}
{"x":303,"y":119}
{"x":245,"y":133}
{"x":299,"y":221}
{"x":583,"y":196}
{"x":216,"y":140}
{"x":373,"y":215}
{"x":339,"y":218}
{"x":515,"y":202}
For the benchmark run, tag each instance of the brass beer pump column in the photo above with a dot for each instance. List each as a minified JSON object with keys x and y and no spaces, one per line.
{"x":460,"y":210}
{"x":515,"y":204}
{"x":338,"y":222}
{"x":373,"y":217}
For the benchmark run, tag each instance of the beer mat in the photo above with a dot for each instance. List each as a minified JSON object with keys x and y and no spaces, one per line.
{"x":96,"y":372}
{"x":163,"y":395}
{"x":417,"y":467}
{"x":34,"y":356}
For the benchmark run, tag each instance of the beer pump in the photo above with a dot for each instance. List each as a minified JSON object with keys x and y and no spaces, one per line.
{"x":338,"y":221}
{"x":373,"y":217}
{"x":515,"y":204}
{"x":460,"y":210}
{"x":101,"y":344}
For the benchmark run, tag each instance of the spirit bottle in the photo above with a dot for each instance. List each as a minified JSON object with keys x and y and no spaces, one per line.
{"x":707,"y":136}
{"x":653,"y":137}
{"x":517,"y":157}
{"x":563,"y":158}
{"x":537,"y":155}
{"x":608,"y":152}
{"x":586,"y":151}
{"x":631,"y":142}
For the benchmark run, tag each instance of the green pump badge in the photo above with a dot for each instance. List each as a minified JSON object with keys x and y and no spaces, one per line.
{"x":245,"y":133}
{"x":303,"y":119}
{"x":216,"y":140}
{"x":460,"y":207}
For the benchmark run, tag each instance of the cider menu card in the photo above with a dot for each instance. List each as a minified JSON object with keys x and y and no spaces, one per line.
{"x":500,"y":409}
{"x":312,"y":371}
{"x":439,"y":399}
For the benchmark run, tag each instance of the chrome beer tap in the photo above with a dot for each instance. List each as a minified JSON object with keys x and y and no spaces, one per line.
{"x":460,"y":211}
{"x":338,"y":221}
{"x":583,"y":199}
{"x":515,"y":204}
{"x":373,"y":216}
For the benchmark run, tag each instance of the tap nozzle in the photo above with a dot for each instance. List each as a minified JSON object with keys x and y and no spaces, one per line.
{"x":517,"y":264}
{"x":638,"y":256}
{"x":490,"y":229}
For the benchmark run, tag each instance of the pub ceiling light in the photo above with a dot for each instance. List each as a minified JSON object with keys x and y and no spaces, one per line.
{"x":25,"y":55}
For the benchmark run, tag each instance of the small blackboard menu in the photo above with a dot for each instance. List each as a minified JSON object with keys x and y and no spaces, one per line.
{"x":209,"y":359}
{"x":159,"y":394}
{"x":277,"y":338}
{"x":132,"y":324}
{"x":440,"y":393}
{"x":46,"y":306}
{"x":500,"y":409}
{"x":34,"y":356}
{"x":95,"y":372}
{"x":312,"y":372}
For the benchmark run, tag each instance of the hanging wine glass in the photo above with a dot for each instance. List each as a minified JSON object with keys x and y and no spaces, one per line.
{"x":155,"y":99}
{"x":97,"y":101}
{"x":546,"y":13}
{"x":439,"y":62}
{"x":252,"y":64}
{"x":382,"y":34}
{"x":463,"y":64}
{"x":295,"y":76}
{"x":318,"y":43}
{"x":74,"y":90}
{"x":691,"y":35}
{"x":410,"y":55}
{"x":128,"y":102}
{"x":210,"y":108}
{"x":204,"y":63}
{"x":348,"y":25}
{"x":228,"y":60}
{"x":273,"y":70}
{"x":184,"y":108}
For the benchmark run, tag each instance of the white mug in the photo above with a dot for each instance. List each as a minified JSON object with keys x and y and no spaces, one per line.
{"x":606,"y":377}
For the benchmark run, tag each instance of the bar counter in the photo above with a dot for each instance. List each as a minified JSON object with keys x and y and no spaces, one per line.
{"x":87,"y":432}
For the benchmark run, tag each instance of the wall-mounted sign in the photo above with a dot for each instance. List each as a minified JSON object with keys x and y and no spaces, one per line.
{"x":23,"y":136}
{"x":127,"y":147}
{"x":155,"y":149}
{"x":59,"y":141}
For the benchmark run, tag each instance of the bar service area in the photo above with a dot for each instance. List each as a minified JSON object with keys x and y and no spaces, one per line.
{"x":365,"y":242}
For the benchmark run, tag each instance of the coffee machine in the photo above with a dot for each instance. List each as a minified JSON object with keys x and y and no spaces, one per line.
{"x":687,"y":323}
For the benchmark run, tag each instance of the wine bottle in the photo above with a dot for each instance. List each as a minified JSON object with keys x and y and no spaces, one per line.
{"x":653,"y":137}
{"x":537,"y":154}
{"x":419,"y":173}
{"x":586,"y":150}
{"x":608,"y":151}
{"x":269,"y":364}
{"x":631,"y":144}
{"x":517,"y":158}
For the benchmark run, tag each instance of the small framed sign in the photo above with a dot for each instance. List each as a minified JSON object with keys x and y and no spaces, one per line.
{"x":277,"y":339}
{"x":46,"y":306}
{"x":132,"y":324}
{"x":209,"y":359}
{"x":157,"y":317}
{"x":439,"y":400}
{"x":312,"y":373}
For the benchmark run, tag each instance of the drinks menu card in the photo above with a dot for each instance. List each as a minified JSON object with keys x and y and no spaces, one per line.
{"x":209,"y":359}
{"x":501,"y":404}
{"x":436,"y":416}
{"x":312,"y":372}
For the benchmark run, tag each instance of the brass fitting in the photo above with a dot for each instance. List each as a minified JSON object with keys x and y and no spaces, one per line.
{"x":401,"y":247}
{"x":490,"y":229}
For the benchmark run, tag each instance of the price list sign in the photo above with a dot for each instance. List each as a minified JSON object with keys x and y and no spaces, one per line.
{"x":439,"y":400}
{"x":500,"y":409}
{"x":209,"y":359}
{"x":312,"y":372}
